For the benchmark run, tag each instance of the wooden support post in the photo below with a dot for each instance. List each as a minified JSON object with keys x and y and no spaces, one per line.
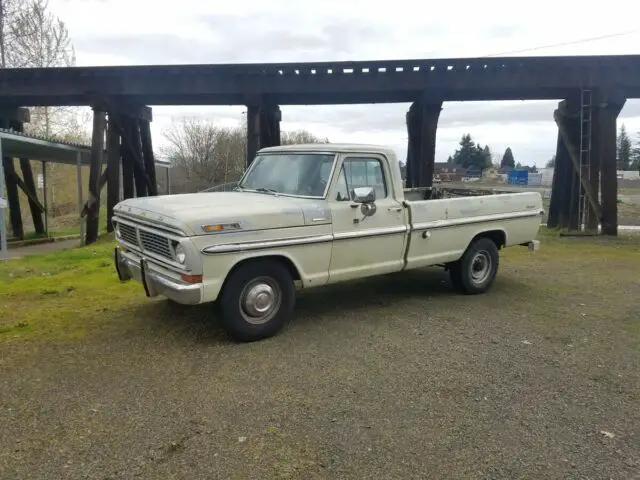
{"x":128,"y":188}
{"x":253,"y":133}
{"x":610,"y":106}
{"x":569,"y":130}
{"x":428,"y":130}
{"x":139,"y":172}
{"x":554,"y":218}
{"x":17,"y":123}
{"x":113,"y":169}
{"x":410,"y":150}
{"x":3,"y":205}
{"x":413,"y":148}
{"x":592,"y":216}
{"x":30,"y":186}
{"x":269,"y":124}
{"x":568,"y":184}
{"x":97,"y":152}
{"x":45,"y":199}
{"x":147,"y":155}
{"x":79,"y":181}
{"x":13,"y":199}
{"x":422,"y":125}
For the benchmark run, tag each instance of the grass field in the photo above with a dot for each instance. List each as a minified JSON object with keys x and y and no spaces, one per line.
{"x":393,"y":377}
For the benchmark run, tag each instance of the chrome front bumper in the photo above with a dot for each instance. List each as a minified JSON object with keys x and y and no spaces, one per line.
{"x":155,"y":283}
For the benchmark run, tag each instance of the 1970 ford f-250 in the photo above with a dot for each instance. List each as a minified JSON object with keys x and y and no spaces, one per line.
{"x":309,"y":215}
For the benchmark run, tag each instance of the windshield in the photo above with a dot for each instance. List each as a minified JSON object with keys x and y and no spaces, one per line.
{"x":298,"y":174}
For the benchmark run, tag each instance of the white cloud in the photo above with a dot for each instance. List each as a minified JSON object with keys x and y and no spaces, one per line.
{"x":192,"y":31}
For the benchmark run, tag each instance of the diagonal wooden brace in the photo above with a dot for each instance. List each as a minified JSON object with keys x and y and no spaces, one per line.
{"x":25,"y":189}
{"x":92,"y":199}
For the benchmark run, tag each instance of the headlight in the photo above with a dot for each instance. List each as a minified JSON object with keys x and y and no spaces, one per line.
{"x":181,"y":255}
{"x":117,"y":230}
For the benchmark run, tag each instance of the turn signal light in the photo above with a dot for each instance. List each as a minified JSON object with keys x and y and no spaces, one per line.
{"x":220,"y":227}
{"x":192,"y":278}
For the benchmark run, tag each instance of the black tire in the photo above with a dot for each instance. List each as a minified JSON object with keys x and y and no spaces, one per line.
{"x":272,"y":281}
{"x":476,"y":270}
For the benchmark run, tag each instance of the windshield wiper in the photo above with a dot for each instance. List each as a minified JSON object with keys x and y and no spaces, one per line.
{"x":267,"y":190}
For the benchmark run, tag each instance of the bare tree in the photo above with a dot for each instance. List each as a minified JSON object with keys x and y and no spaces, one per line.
{"x":300,"y":136}
{"x":40,"y":39}
{"x":9,"y":11}
{"x":204,"y":155}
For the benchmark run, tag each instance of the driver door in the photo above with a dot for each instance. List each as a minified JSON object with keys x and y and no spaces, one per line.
{"x":365,"y":246}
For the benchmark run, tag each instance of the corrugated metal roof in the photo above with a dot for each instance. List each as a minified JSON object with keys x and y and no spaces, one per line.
{"x":22,"y":145}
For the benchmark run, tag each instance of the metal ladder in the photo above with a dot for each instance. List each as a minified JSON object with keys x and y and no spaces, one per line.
{"x":585,"y":151}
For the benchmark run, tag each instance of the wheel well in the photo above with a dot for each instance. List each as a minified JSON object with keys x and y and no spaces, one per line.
{"x":284,"y":261}
{"x":496,"y":236}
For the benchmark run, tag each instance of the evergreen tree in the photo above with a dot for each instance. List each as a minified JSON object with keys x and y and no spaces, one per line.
{"x":551,"y":163}
{"x":624,"y":149}
{"x":471,"y":155}
{"x":635,"y":155}
{"x":507,"y":159}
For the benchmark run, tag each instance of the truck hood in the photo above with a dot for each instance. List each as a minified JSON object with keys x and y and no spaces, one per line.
{"x":253,"y":211}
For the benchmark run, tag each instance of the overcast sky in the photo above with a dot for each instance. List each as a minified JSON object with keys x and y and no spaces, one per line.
{"x":115,"y":32}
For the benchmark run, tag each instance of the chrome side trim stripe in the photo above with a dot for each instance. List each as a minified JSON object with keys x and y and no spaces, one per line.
{"x":304,"y":240}
{"x":471,"y":220}
{"x":259,"y":245}
{"x":370,"y":232}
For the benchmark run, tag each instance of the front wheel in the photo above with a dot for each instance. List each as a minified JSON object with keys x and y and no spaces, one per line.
{"x":475,"y":272}
{"x":257,"y":299}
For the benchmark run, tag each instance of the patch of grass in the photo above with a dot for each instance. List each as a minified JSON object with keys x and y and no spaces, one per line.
{"x":61,"y":295}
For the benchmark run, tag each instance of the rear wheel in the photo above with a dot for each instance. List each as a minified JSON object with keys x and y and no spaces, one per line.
{"x":256,"y":301}
{"x":476,"y":271}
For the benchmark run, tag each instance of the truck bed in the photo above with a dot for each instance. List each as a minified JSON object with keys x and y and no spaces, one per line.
{"x":512,"y":218}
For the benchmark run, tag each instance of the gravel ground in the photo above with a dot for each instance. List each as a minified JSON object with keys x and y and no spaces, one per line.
{"x":395,"y":377}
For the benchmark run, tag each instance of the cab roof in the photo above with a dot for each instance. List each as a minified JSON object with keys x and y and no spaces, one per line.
{"x":331,"y":148}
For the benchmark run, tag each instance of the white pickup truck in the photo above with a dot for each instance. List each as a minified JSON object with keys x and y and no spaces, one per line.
{"x":304,"y":216}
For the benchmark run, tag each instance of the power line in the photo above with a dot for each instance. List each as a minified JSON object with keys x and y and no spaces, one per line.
{"x":562,"y":44}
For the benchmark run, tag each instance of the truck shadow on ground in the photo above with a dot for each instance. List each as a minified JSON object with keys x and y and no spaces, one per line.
{"x":342,"y":300}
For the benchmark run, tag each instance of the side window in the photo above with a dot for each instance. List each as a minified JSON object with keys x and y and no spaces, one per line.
{"x":364,"y":172}
{"x":343,"y":190}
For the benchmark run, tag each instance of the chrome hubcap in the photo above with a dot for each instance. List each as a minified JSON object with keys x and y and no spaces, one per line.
{"x":480,"y":266}
{"x":260,"y":300}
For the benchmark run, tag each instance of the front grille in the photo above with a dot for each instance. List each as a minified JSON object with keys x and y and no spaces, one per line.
{"x":128,"y":233}
{"x":150,"y":242}
{"x":154,"y":243}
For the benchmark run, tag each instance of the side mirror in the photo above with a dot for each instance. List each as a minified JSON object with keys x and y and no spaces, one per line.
{"x":364,"y":195}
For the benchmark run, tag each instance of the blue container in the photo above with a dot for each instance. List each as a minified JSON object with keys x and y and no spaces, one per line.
{"x":518,"y":177}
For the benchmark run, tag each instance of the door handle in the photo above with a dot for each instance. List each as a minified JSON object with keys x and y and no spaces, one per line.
{"x":394,"y":209}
